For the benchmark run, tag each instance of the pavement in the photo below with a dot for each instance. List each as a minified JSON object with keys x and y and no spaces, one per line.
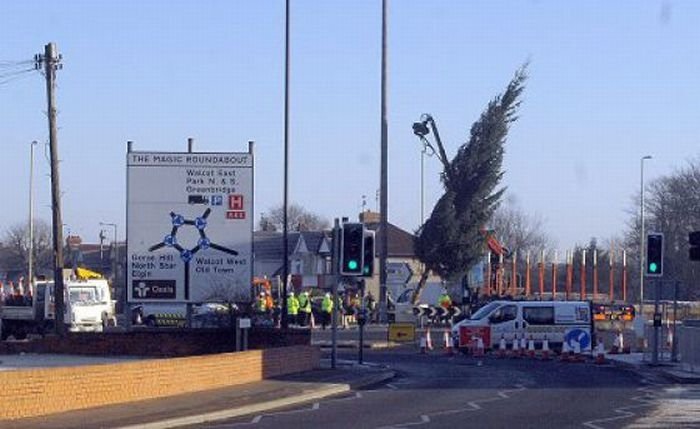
{"x":213,"y":405}
{"x":671,"y":370}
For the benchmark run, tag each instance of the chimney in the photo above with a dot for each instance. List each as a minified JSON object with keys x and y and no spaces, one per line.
{"x":369,"y":217}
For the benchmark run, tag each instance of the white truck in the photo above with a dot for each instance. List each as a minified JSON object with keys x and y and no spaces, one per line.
{"x":89,"y":308}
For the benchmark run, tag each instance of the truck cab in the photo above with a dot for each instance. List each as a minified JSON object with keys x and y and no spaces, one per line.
{"x":88,"y":308}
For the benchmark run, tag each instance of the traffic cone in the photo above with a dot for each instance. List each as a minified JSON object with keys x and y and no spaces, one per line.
{"x":545,"y":348}
{"x":624,"y":348}
{"x":502,"y":347}
{"x":577,"y":356}
{"x":531,"y":348}
{"x":600,"y":354}
{"x":616,"y":348}
{"x":516,"y":347}
{"x":448,"y":344}
{"x":565,"y":351}
{"x":479,"y":351}
{"x":523,"y":345}
{"x":423,"y":344}
{"x":428,"y":339}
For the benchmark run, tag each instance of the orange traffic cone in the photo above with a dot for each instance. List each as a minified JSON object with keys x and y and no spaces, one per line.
{"x":600,"y":354}
{"x":479,"y":350}
{"x":516,"y":347}
{"x":448,"y":344}
{"x":565,"y":351}
{"x":545,"y":348}
{"x":577,"y":356}
{"x":531,"y":348}
{"x":502,"y":347}
{"x":523,"y":345}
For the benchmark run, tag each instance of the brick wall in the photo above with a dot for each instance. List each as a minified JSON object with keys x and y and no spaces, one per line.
{"x":52,"y":390}
{"x":157,"y":343}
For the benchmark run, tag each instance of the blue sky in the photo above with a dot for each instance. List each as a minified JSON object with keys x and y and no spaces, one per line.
{"x":610,"y":82}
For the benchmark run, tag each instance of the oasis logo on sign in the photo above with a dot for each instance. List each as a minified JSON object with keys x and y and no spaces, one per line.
{"x":153,"y":289}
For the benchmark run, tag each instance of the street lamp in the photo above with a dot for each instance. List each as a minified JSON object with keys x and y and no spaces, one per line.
{"x":30,"y":269}
{"x":116,"y":251}
{"x":641,"y":236}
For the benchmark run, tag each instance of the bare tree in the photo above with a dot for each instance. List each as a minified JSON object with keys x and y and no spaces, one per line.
{"x":672,"y":205}
{"x":298,"y":219}
{"x":16,"y":241}
{"x":518,"y":230}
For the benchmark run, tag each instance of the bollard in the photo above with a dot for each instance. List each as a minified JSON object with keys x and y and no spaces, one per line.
{"x":448,"y":344}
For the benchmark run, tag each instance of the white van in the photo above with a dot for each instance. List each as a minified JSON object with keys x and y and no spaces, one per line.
{"x":557,"y":321}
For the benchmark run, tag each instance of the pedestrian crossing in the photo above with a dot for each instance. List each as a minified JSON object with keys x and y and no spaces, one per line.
{"x":675,"y":407}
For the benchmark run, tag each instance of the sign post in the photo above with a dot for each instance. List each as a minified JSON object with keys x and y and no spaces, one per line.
{"x":189,"y":227}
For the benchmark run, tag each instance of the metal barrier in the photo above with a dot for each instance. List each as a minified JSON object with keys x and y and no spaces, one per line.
{"x":689,"y":347}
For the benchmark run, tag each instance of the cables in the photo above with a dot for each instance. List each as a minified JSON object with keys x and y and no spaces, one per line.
{"x":14,"y":70}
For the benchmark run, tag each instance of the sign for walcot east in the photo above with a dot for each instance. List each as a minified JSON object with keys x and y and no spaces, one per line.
{"x":189,"y":226}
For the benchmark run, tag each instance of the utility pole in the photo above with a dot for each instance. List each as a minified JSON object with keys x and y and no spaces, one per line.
{"x":51,"y":61}
{"x":30,"y":268}
{"x":384,"y":219}
{"x":285,"y":229}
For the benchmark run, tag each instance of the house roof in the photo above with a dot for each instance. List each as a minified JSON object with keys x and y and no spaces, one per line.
{"x":400,"y":243}
{"x":268,"y":244}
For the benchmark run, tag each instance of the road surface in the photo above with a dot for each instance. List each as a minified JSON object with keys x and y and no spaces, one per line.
{"x":436,"y":391}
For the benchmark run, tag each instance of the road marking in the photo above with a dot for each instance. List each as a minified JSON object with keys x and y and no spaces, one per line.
{"x":391,"y":386}
{"x":471,"y":406}
{"x":645,"y":400}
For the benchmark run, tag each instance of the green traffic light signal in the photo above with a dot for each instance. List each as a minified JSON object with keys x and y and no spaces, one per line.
{"x":352,"y":264}
{"x":653,"y":267}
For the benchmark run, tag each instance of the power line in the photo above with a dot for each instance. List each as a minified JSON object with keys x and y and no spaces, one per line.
{"x":6,"y":78}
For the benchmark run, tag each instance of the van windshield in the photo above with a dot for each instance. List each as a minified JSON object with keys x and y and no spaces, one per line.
{"x":83,"y":295}
{"x":484,"y":311}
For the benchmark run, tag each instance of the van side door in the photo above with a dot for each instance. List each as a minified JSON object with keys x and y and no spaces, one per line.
{"x":503,"y":323}
{"x":538,"y":321}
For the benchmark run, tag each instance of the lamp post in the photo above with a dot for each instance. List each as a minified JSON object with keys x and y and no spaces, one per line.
{"x":641,"y":236}
{"x":116,"y":251}
{"x":30,"y":268}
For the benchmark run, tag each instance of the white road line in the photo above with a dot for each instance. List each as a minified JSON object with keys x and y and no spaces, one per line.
{"x":646,"y":400}
{"x":472,"y":406}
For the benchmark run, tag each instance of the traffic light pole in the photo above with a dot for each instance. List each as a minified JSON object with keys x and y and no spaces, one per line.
{"x":336,"y":279}
{"x":657,"y":324}
{"x":361,"y":321}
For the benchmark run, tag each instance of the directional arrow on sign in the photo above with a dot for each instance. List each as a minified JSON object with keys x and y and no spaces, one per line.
{"x":419,"y":311}
{"x":456,"y":311}
{"x":433,"y":311}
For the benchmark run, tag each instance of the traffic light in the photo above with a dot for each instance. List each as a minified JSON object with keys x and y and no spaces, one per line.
{"x":694,"y":250}
{"x":655,"y":254}
{"x":368,"y":266}
{"x":352,"y":249}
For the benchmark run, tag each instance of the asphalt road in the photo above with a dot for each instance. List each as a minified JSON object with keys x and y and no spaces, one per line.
{"x":439,"y":391}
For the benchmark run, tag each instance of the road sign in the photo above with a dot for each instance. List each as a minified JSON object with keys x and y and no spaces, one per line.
{"x":189,"y":226}
{"x":402,"y":332}
{"x":398,"y":272}
{"x":456,"y":311}
{"x":580,"y":336}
